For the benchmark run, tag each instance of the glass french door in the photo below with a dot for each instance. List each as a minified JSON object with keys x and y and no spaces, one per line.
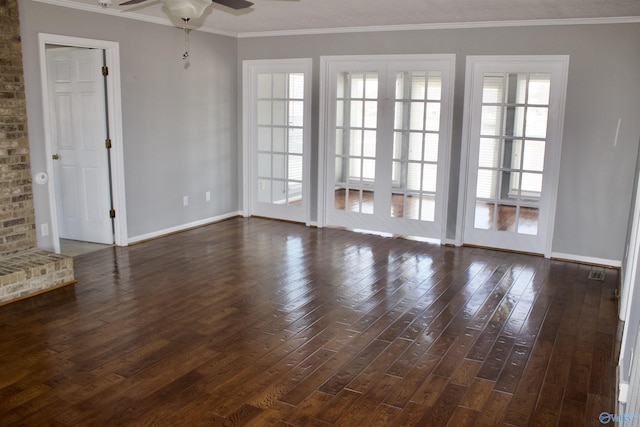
{"x":276,"y":106}
{"x":387,"y":143}
{"x":515,"y":126}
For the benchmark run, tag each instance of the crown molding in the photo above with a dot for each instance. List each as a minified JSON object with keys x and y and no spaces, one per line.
{"x":446,"y":26}
{"x":339,"y":30}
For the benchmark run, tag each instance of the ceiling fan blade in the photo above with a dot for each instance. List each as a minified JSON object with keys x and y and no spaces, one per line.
{"x":234,"y":4}
{"x":130,"y":2}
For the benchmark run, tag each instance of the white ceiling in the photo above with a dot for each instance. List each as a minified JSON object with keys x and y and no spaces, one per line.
{"x":300,"y":16}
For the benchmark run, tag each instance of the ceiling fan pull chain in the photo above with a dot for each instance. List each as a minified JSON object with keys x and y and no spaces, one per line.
{"x":185,"y":55}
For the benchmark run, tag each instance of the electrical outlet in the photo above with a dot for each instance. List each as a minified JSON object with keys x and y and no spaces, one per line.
{"x":44,"y":229}
{"x":207,"y":196}
{"x":185,"y":201}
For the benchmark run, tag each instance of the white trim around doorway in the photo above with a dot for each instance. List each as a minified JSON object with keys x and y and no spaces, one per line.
{"x":114,"y":108}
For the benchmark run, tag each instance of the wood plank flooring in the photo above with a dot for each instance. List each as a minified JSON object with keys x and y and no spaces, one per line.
{"x":251,"y":322}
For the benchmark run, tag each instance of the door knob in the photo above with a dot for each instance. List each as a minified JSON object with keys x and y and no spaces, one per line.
{"x":55,"y":157}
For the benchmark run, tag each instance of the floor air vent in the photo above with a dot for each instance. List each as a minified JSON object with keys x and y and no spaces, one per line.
{"x":596,"y":275}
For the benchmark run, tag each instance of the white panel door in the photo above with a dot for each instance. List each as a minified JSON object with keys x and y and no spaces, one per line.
{"x":513,"y":119}
{"x":277,"y":129}
{"x":387,"y":142}
{"x":81,"y":171}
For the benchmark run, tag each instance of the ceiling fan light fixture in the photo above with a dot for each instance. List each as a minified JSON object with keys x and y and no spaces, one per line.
{"x":186,"y":9}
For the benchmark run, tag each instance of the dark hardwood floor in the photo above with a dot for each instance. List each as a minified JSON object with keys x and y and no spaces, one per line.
{"x":251,"y":322}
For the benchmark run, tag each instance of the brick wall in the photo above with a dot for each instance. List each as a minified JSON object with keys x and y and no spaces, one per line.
{"x":17,"y":218}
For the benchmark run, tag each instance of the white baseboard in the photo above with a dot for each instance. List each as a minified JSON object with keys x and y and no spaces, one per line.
{"x":167,"y":231}
{"x":587,"y":260}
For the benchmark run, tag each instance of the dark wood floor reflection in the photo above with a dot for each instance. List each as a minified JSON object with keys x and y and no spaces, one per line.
{"x":253,"y":322}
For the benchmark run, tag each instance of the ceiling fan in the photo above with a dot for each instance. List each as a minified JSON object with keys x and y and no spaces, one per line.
{"x":188,"y":9}
{"x":234,"y":4}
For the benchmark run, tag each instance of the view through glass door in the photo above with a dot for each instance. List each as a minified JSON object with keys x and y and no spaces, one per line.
{"x":515,"y":123}
{"x":277,"y":129}
{"x":387,"y":143}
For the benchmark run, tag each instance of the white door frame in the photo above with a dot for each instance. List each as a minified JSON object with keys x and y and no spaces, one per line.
{"x":114,"y":110}
{"x":552,"y":161}
{"x":327,"y":110}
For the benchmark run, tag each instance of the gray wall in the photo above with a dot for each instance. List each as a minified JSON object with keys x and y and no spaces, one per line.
{"x":179,"y":123}
{"x":596,"y":178}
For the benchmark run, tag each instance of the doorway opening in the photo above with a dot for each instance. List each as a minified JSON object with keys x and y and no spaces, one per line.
{"x":83,"y":140}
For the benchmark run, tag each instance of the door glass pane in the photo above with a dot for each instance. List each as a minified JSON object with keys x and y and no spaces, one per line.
{"x":486,"y":184}
{"x":279,"y":139}
{"x":434,"y":88}
{"x":371,"y":87}
{"x":414,"y":176}
{"x":371,"y":114}
{"x":264,"y":139}
{"x":339,"y":198}
{"x":296,"y":139}
{"x":528,"y":220}
{"x":491,"y":120}
{"x":537,"y":122}
{"x":357,"y":110}
{"x":506,"y":220}
{"x":279,"y":193}
{"x":532,"y":184}
{"x":294,"y":193}
{"x":483,"y":216}
{"x":539,"y":88}
{"x":533,"y":156}
{"x":509,"y":186}
{"x":339,"y":142}
{"x":296,"y":86}
{"x":492,"y":88}
{"x":416,"y":121}
{"x":418,"y":85}
{"x":488,"y":157}
{"x":264,"y":165}
{"x":431,"y":141}
{"x":415,"y":146}
{"x":367,"y":200}
{"x":369,"y":143}
{"x":279,"y":113}
{"x":279,"y":166}
{"x":398,"y":209}
{"x":511,"y":153}
{"x":429,"y":175}
{"x":296,"y":113}
{"x":433,"y":116}
{"x":264,"y":86}
{"x":356,"y":81}
{"x":295,"y":167}
{"x":264,"y":191}
{"x":279,"y":85}
{"x":428,"y":208}
{"x":514,"y":121}
{"x":264,"y":112}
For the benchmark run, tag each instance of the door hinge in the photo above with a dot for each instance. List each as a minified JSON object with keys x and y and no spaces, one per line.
{"x":107,"y":143}
{"x":112,"y":213}
{"x":105,"y":71}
